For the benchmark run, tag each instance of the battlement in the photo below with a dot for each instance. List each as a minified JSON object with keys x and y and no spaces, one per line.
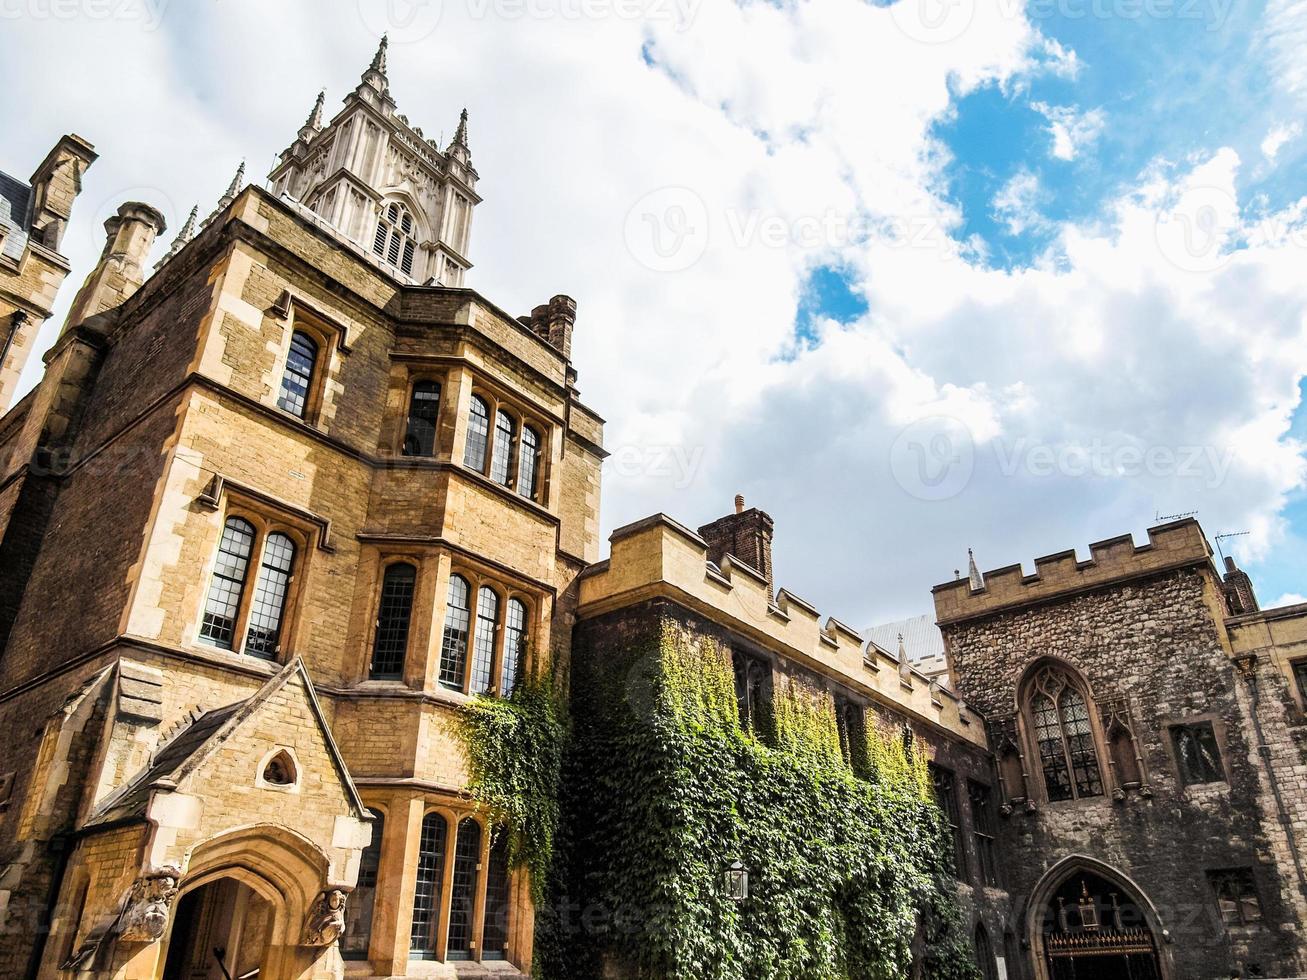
{"x":659,"y":557}
{"x":1170,"y":546}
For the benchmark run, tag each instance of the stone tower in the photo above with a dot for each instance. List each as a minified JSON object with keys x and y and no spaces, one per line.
{"x":379,"y":182}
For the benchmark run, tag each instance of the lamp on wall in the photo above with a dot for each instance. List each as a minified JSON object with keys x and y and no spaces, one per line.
{"x":737,"y":882}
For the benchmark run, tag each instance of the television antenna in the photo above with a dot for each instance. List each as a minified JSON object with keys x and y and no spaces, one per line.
{"x":1228,"y":534}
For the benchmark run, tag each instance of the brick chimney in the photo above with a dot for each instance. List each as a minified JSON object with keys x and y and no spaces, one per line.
{"x":562,"y":317}
{"x":1238,"y":588}
{"x":745,"y":535}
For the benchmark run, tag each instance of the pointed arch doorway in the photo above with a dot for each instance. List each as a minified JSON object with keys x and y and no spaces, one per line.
{"x":221,"y":931}
{"x":1091,"y":923}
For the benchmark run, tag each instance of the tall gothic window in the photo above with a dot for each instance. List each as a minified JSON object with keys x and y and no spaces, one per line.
{"x":985,"y":954}
{"x":514,"y":645}
{"x":478,"y":435}
{"x":483,"y":646}
{"x":1300,"y":678}
{"x":263,"y":638}
{"x":462,"y":897}
{"x":394,"y":242}
{"x":453,"y":649}
{"x":1058,"y":715}
{"x":297,"y":379}
{"x":358,"y":928}
{"x":528,"y":463}
{"x":946,"y":797}
{"x":752,"y":693}
{"x":984,"y":831}
{"x":494,"y":940}
{"x":502,"y":456}
{"x":423,"y":409}
{"x":396,"y":607}
{"x":850,"y":722}
{"x":426,"y":896}
{"x":1197,"y":753}
{"x":228,"y":584}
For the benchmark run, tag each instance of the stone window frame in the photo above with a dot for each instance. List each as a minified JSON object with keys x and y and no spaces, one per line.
{"x":266,"y":519}
{"x":414,"y":378}
{"x":384,"y":559}
{"x":328,"y":336}
{"x":946,"y":775}
{"x":758,"y":719}
{"x":454,"y":817}
{"x":1036,"y":784}
{"x":522,"y":417}
{"x":381,"y":810}
{"x":295,"y":786}
{"x":1298,"y":678}
{"x":506,"y":591}
{"x":984,"y":834}
{"x":1168,"y":724}
{"x":1249,"y":877}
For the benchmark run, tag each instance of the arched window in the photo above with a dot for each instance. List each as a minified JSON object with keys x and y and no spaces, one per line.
{"x":462,"y":896}
{"x":394,"y":241}
{"x":528,"y":463}
{"x":483,"y":651}
{"x":297,"y":380}
{"x":514,"y":646}
{"x":426,"y":896}
{"x":358,"y":924}
{"x":263,"y":638}
{"x":1058,"y":715}
{"x":501,"y":459}
{"x":453,"y":650}
{"x":423,"y":408}
{"x":228,"y":585}
{"x":753,"y":693}
{"x":494,"y":941}
{"x":478,"y":435}
{"x":391,"y":642}
{"x":985,"y":954}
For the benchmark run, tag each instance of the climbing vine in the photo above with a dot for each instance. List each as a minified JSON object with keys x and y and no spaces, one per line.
{"x":662,"y":790}
{"x":514,"y":749}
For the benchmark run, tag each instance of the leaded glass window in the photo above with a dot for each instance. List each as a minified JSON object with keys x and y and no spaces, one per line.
{"x":228,"y":584}
{"x":462,"y":897}
{"x":426,"y":896}
{"x":423,"y":411}
{"x":394,"y":242}
{"x":453,"y":648}
{"x":1236,"y":896}
{"x":478,"y":435}
{"x":483,"y":647}
{"x":946,"y":796}
{"x":263,"y":638}
{"x":297,"y":379}
{"x":984,"y":831}
{"x":1063,"y":732}
{"x":502,"y":456}
{"x":528,"y":463}
{"x":1197,"y":753}
{"x":358,"y":924}
{"x":515,"y":634}
{"x":494,"y":940}
{"x":396,"y":607}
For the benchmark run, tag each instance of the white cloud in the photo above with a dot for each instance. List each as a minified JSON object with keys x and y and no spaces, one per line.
{"x":1288,"y":599}
{"x":1071,"y":129}
{"x":1283,"y":34}
{"x":1277,"y":138}
{"x":1148,"y":334}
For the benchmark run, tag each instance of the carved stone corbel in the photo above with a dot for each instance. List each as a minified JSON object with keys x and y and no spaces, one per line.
{"x":144,"y":918}
{"x":326,"y":922}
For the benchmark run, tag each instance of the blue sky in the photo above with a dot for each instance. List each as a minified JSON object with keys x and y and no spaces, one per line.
{"x":938,"y":282}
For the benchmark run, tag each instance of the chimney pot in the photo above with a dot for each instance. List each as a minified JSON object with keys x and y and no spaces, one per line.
{"x":1229,"y":563}
{"x":739,"y":503}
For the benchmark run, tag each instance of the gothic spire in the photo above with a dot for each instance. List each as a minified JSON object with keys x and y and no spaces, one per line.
{"x":973,"y":573}
{"x":379,"y":59}
{"x":230,"y":194}
{"x":314,"y":123}
{"x":903,"y":652}
{"x":183,"y":236}
{"x":375,"y":76}
{"x":460,"y":134}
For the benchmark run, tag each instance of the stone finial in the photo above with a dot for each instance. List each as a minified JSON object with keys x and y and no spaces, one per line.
{"x":375,"y":75}
{"x":313,"y":125}
{"x":379,"y":59}
{"x":973,"y":573}
{"x":183,"y":236}
{"x":903,"y":651}
{"x":460,"y":134}
{"x":229,"y":194}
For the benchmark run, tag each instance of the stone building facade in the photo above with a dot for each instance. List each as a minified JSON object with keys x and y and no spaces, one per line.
{"x":275,"y":513}
{"x":34,"y":215}
{"x":1151,"y":749}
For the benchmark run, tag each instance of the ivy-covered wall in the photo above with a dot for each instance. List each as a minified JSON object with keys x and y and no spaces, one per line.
{"x":661,"y":790}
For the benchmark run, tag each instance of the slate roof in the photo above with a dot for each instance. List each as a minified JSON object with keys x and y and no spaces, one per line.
{"x":921,"y":639}
{"x":15,"y":202}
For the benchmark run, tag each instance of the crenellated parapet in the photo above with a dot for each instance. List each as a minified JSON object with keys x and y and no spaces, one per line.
{"x":660,"y":558}
{"x":1179,"y":544}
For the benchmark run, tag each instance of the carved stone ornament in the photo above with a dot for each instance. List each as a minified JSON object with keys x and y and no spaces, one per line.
{"x":145,"y":917}
{"x":326,"y":920}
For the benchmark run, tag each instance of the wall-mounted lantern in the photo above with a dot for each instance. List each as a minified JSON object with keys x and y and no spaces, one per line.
{"x":737,"y":882}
